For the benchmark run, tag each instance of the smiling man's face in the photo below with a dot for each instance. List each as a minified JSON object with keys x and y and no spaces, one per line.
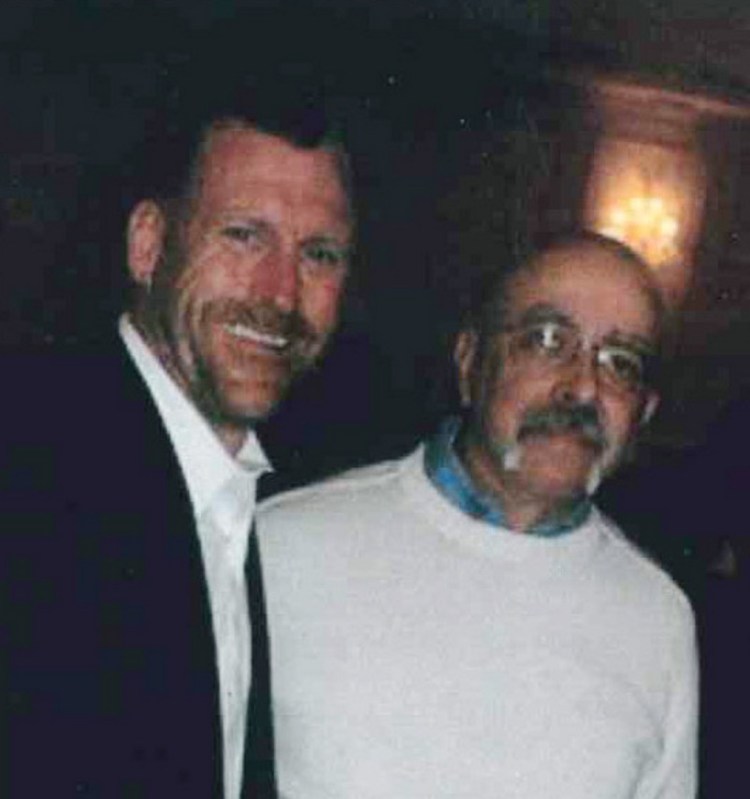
{"x":247,"y":294}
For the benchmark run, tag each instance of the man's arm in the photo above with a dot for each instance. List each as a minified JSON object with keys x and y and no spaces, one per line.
{"x":676,"y":774}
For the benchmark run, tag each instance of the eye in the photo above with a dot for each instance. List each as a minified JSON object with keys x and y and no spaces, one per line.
{"x":625,"y":366}
{"x":326,"y":254}
{"x":243,"y":234}
{"x":548,"y":339}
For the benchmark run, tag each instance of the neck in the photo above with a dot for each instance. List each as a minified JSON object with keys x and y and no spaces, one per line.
{"x":231,"y":437}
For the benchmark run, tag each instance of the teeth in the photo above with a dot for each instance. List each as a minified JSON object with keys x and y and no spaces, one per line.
{"x":250,"y":334}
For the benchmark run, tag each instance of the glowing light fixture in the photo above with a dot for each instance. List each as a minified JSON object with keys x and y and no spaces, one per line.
{"x":647,"y":182}
{"x":645,"y":223}
{"x":648,"y":196}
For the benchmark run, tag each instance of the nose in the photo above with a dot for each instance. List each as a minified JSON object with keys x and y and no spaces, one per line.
{"x":277,"y":279}
{"x":578,"y":381}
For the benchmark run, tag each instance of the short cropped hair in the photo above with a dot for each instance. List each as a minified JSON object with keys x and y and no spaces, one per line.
{"x":167,"y":164}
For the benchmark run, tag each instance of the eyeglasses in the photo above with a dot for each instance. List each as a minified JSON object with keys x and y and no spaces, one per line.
{"x":551,"y":344}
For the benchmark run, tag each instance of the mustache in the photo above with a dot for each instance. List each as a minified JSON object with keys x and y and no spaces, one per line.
{"x":265,"y":317}
{"x":557,"y":418}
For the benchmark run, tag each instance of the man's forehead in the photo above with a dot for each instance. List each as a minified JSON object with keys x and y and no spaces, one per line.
{"x":584,"y":283}
{"x":241,"y":165}
{"x":579,"y":261}
{"x":230,"y":147}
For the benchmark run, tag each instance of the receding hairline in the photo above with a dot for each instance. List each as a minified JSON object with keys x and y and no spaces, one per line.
{"x":593,"y":243}
{"x":327,"y":143}
{"x":494,"y":309}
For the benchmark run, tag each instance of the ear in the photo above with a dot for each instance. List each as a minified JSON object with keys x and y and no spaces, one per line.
{"x":649,"y":408}
{"x":146,"y":232}
{"x":464,"y":353}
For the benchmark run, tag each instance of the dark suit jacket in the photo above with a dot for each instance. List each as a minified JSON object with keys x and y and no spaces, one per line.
{"x":109,"y":683}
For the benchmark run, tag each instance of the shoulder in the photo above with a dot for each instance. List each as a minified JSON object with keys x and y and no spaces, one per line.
{"x":322,"y":541}
{"x":47,"y":380}
{"x":353,"y":501}
{"x":73,"y":410}
{"x":352,"y":486}
{"x":645,"y":586}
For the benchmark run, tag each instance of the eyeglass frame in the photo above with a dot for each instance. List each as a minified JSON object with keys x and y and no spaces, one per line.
{"x":646,"y":356}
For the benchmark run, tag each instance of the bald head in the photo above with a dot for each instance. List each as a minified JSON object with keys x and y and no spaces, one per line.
{"x":595,"y":254}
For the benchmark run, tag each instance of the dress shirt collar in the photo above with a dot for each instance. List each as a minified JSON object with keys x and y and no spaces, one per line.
{"x":448,"y":475}
{"x":205,"y":463}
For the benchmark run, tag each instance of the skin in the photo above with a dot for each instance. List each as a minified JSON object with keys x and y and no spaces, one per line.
{"x":242,"y":295}
{"x":606,"y":297}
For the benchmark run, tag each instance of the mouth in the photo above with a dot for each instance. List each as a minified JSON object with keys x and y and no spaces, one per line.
{"x":244,"y":332}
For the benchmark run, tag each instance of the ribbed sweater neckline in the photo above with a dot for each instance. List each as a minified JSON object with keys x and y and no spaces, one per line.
{"x":490,"y":541}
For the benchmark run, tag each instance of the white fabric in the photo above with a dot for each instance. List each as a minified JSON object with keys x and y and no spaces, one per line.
{"x":222,"y":493}
{"x":420,"y":654}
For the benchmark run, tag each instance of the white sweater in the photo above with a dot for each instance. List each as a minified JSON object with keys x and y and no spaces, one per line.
{"x":420,"y":654}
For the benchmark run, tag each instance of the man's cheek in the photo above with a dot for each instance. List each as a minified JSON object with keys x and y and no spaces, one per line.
{"x":320,"y":306}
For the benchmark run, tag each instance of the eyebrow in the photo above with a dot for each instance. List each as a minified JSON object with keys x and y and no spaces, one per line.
{"x":328,"y":238}
{"x":543,"y":312}
{"x":643,"y":345}
{"x":241,"y":217}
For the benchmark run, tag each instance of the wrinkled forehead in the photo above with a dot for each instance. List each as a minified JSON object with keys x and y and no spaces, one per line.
{"x":599,"y":291}
{"x":234,"y":158}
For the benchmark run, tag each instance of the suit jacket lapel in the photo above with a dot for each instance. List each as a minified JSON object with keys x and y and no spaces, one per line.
{"x":114,"y":664}
{"x":161,"y":552}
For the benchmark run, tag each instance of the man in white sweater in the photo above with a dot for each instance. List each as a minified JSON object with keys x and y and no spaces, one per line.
{"x":463,"y":622}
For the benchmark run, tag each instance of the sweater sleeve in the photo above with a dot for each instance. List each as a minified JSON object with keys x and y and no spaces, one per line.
{"x":675,"y":774}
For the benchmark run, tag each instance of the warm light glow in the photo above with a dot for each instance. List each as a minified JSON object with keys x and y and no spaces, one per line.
{"x":650,"y":197}
{"x":647,"y":226}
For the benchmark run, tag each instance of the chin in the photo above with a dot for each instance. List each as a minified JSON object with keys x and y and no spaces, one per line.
{"x":250,"y":393}
{"x":551,"y":479}
{"x":247,"y":409}
{"x":563,"y":492}
{"x":245,"y":416}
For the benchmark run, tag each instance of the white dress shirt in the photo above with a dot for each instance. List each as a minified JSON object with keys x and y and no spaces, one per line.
{"x":222,"y":493}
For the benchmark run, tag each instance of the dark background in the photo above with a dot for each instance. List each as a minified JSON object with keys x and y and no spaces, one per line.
{"x":468,"y":126}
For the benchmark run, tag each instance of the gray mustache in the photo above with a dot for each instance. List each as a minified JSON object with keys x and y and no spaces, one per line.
{"x":564,"y":418}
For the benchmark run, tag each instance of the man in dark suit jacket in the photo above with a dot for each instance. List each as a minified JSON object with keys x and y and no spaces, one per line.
{"x":128,"y":475}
